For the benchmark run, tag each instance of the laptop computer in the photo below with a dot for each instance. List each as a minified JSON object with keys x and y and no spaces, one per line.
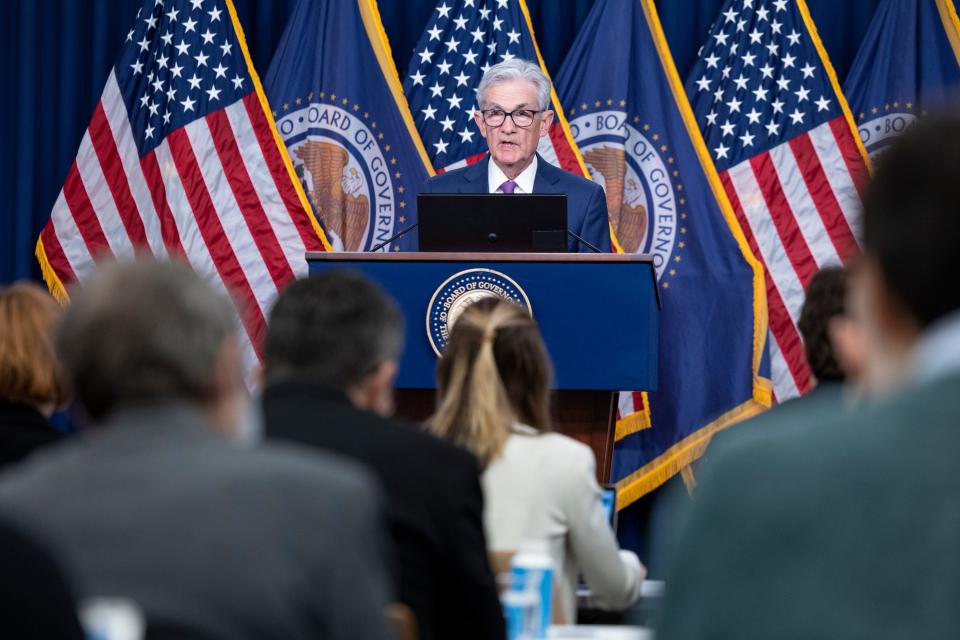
{"x":492,"y":222}
{"x":608,"y":501}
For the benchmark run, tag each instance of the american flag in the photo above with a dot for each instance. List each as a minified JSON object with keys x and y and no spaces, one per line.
{"x":181,"y":161}
{"x":784,"y":143}
{"x":463,"y":39}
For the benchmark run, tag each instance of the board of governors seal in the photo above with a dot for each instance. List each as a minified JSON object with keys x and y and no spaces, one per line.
{"x":461,"y":290}
{"x":341,"y":164}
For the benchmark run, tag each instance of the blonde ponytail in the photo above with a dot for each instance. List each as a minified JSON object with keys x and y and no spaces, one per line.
{"x":475,"y":410}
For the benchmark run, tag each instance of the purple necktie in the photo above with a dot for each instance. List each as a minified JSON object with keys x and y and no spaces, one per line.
{"x":508,"y":186}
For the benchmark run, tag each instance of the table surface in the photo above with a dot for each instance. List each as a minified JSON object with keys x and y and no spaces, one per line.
{"x":590,"y":632}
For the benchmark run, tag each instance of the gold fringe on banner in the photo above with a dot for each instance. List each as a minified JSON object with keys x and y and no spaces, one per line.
{"x":652,"y":475}
{"x":57,"y":290}
{"x":689,"y":479}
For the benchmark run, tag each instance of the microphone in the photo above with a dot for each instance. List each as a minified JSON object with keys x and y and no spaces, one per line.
{"x":579,"y":239}
{"x":397,"y":236}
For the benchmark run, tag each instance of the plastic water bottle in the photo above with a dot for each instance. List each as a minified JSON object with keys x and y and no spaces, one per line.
{"x":521,"y":612}
{"x":532,"y":570}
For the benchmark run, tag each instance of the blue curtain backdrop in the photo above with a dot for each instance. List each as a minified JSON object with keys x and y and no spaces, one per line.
{"x":57,"y":53}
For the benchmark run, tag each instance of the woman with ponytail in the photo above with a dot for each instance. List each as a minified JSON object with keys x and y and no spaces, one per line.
{"x":494,"y":395}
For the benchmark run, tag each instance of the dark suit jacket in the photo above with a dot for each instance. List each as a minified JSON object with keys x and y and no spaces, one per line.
{"x":830,"y":524}
{"x":22,"y":430}
{"x":35,"y":596}
{"x":586,"y":203}
{"x":217,"y":540}
{"x":434,"y":505}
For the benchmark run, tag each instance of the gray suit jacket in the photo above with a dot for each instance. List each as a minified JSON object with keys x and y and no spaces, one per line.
{"x":206,"y":536}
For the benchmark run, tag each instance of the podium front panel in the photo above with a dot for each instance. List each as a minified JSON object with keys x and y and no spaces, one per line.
{"x":598,"y":314}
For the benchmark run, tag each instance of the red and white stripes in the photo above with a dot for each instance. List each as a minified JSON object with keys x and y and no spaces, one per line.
{"x":215,"y":193}
{"x":799,"y":206}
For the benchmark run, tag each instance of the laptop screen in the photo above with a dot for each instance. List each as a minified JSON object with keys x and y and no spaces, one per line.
{"x":608,"y":500}
{"x":474,"y":222}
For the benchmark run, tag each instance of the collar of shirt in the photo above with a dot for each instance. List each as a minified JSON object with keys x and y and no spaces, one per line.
{"x":523,"y":429}
{"x":496,"y":177}
{"x":938,"y":354}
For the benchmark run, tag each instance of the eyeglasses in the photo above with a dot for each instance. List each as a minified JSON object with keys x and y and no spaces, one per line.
{"x":522,"y":118}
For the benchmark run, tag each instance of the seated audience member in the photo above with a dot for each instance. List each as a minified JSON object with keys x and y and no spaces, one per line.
{"x":848,"y":527}
{"x":31,"y":380}
{"x":331,"y":354}
{"x":833,"y":340}
{"x":157,"y":503}
{"x":494,"y":385}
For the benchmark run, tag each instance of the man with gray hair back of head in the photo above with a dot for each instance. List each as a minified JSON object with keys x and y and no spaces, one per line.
{"x":514,"y":115}
{"x":161,"y":505}
{"x":152,"y":332}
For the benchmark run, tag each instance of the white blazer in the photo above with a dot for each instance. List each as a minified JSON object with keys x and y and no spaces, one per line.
{"x":544,"y":487}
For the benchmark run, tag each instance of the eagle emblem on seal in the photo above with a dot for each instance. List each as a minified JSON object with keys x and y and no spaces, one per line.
{"x":627,"y":214}
{"x":337,"y":194}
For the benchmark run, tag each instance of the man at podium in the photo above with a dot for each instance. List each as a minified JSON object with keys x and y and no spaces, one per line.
{"x":514,"y":99}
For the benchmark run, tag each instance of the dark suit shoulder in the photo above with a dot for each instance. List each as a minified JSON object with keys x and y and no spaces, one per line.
{"x":396,"y":450}
{"x":22,"y":431}
{"x":449,"y":176}
{"x":298,"y":463}
{"x":567,"y":178}
{"x":433,"y":445}
{"x":473,"y":177}
{"x":416,"y":452}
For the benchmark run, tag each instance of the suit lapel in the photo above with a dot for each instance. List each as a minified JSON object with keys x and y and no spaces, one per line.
{"x":547,"y":175}
{"x":475,"y":177}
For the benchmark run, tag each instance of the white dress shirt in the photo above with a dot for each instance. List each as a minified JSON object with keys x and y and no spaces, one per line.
{"x":543,"y":487}
{"x":496,"y":177}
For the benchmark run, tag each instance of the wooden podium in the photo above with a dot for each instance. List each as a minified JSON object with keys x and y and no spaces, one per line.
{"x":598,"y":313}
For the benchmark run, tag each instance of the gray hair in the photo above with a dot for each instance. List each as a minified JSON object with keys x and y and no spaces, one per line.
{"x":333,"y":329}
{"x":516,"y":69}
{"x":142,"y":332}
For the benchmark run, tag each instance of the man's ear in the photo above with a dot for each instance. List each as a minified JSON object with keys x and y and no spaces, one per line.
{"x":228,"y":367}
{"x":375,"y":393}
{"x":889,"y":311}
{"x":849,"y":344}
{"x":386,"y":373}
{"x":225,"y":407}
{"x":478,"y":118}
{"x":889,"y":330}
{"x":545,"y":122}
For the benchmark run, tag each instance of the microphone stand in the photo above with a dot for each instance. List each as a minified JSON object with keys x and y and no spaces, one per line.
{"x":397,"y":236}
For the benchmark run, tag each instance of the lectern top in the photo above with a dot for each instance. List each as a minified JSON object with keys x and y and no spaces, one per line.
{"x":422,"y":256}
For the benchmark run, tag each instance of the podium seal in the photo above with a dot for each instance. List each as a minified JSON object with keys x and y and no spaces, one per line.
{"x":461,"y":290}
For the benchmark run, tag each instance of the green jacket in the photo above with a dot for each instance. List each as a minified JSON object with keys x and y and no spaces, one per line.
{"x":823,"y":523}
